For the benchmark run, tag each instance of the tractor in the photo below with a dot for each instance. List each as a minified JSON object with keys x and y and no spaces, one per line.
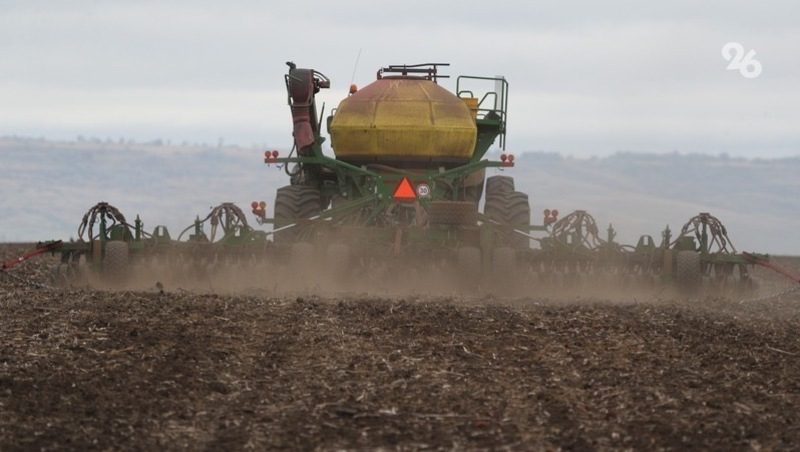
{"x":407,"y":188}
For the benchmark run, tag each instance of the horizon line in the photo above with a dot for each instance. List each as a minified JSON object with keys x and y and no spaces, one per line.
{"x":157,"y":143}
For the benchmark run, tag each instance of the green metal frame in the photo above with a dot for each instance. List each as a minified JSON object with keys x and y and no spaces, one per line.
{"x":367,"y":190}
{"x":362,"y":186}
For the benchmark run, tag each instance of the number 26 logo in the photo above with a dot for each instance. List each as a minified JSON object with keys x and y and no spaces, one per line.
{"x":748,"y":66}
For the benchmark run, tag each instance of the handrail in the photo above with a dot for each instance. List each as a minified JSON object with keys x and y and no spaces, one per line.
{"x":500,"y":100}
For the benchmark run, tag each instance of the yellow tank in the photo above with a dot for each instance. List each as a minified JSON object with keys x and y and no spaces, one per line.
{"x":403,"y":120}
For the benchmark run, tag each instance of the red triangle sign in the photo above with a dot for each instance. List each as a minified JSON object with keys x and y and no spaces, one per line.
{"x":405,"y":191}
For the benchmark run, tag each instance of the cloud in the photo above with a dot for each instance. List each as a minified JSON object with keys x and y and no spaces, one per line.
{"x":586,"y":77}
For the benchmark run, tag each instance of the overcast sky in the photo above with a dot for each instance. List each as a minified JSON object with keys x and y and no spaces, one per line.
{"x":586,"y":77}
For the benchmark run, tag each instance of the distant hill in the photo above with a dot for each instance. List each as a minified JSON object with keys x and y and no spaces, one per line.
{"x":759,"y":200}
{"x":46,"y":187}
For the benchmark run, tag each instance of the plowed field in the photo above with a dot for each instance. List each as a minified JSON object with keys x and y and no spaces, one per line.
{"x":89,"y":369}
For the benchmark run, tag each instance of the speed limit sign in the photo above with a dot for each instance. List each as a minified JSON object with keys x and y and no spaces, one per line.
{"x":423,"y":190}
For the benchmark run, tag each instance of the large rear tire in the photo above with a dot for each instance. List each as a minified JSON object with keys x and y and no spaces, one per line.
{"x":519,"y":216}
{"x":499,"y":184}
{"x":512,"y":210}
{"x":293,"y":203}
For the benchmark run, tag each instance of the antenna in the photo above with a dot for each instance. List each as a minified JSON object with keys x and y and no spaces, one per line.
{"x":355,"y":66}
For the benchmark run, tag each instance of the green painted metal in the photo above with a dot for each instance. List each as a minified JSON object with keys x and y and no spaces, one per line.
{"x":363,"y":195}
{"x":491,"y":122}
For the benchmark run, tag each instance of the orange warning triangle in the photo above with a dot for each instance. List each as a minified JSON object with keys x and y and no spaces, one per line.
{"x":404,"y":191}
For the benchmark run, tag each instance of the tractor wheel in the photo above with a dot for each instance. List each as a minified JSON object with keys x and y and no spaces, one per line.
{"x":292,"y":203}
{"x":469,"y":263}
{"x":519,"y":216}
{"x":115,"y":261}
{"x":687,"y":272}
{"x":511,"y":209}
{"x":496,"y":189}
{"x":499,"y":184}
{"x":494,"y":207}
